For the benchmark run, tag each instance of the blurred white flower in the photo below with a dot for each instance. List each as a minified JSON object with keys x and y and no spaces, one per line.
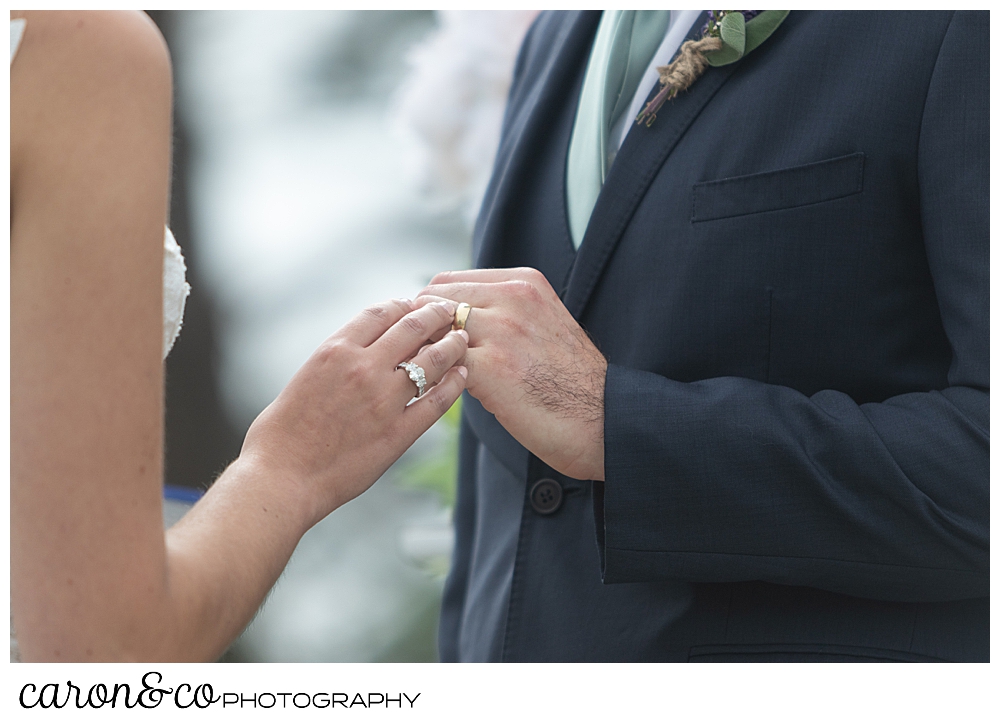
{"x":451,"y":104}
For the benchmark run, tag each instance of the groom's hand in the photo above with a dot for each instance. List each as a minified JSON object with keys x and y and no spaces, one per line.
{"x":531,"y":365}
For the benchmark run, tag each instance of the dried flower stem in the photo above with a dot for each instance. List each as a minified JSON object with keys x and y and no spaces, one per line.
{"x":680,"y":74}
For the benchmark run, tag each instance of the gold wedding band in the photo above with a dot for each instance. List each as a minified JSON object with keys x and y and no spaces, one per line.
{"x":461,"y":316}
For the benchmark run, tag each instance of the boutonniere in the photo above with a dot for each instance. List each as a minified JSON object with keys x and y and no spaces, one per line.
{"x":726,"y":37}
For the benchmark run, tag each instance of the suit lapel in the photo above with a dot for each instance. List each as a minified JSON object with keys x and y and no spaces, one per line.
{"x":530,"y":121}
{"x":642,"y":154}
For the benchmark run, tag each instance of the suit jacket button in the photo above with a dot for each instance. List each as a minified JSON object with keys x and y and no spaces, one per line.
{"x":546,"y":496}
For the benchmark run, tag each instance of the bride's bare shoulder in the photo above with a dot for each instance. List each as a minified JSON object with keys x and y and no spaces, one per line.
{"x":78,"y":51}
{"x":123,"y":25}
{"x":92,"y":35}
{"x":74,"y":68}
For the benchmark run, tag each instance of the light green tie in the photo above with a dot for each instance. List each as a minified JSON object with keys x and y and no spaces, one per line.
{"x":625,"y":43}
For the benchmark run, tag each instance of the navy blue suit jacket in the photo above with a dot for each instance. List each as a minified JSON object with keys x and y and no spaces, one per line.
{"x":788,"y":273}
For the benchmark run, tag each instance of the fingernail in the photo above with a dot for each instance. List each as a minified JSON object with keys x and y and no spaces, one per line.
{"x":464,"y":334}
{"x":405,"y":302}
{"x":464,"y":372}
{"x":449,"y":306}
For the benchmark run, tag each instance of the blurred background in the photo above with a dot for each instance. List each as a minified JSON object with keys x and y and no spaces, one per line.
{"x":324,"y":161}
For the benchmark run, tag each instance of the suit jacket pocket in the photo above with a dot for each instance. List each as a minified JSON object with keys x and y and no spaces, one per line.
{"x":775,"y":190}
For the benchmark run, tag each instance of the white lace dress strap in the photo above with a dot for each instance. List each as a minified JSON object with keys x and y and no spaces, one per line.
{"x":175,"y":291}
{"x":16,"y":31}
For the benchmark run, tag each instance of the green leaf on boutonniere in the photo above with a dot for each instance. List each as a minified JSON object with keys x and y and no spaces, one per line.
{"x":739,"y":36}
{"x":726,"y":37}
{"x":732,"y":30}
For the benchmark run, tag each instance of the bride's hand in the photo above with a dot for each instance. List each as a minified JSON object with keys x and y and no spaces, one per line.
{"x":343,"y":418}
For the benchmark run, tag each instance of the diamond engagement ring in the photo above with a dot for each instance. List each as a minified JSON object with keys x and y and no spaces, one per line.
{"x":461,"y":316}
{"x":416,"y":373}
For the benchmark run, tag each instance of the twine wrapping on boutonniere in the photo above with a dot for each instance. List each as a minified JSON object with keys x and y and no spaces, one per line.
{"x":726,"y":37}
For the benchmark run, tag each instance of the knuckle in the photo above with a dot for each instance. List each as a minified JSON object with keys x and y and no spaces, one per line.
{"x":378,"y":312}
{"x":414,"y":323}
{"x":332,"y":351}
{"x":508,"y":326}
{"x":443,"y":313}
{"x":437,"y":357}
{"x":354,"y":374}
{"x":439,"y":400}
{"x":535,"y":276}
{"x":343,"y":361}
{"x":520,"y":288}
{"x":532,"y":293}
{"x":496,"y":358}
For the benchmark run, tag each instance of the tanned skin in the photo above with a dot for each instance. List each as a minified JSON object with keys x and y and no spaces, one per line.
{"x":93,"y":575}
{"x":532,"y":365}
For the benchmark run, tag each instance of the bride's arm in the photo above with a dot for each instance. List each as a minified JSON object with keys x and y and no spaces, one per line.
{"x":93,"y":577}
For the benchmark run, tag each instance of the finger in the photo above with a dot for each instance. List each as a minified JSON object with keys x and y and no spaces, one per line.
{"x":422,"y":301}
{"x":409,"y":333}
{"x":436,"y":359}
{"x":479,"y":323}
{"x":475,"y":294}
{"x":439,"y":335}
{"x":487,"y":276}
{"x":373,"y":322}
{"x":480,"y":366}
{"x":420,"y":415}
